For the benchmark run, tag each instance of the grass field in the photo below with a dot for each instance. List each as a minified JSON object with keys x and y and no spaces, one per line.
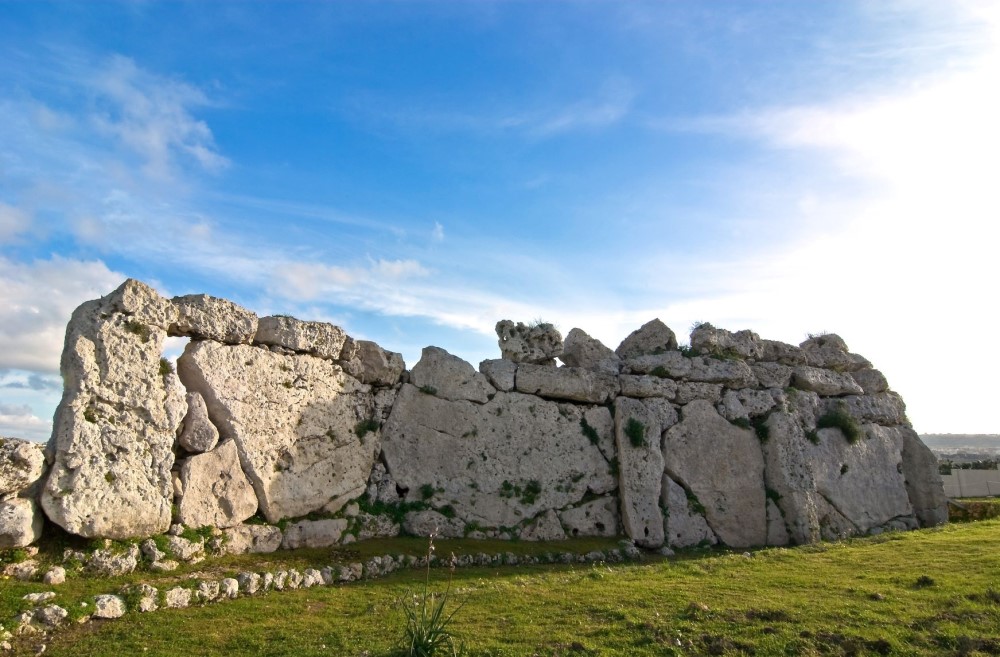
{"x":928,"y":592}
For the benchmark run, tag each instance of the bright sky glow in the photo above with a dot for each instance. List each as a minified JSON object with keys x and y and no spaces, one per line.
{"x":416,"y":171}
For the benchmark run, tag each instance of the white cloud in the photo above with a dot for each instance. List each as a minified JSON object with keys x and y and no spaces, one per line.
{"x":13,"y":222}
{"x":36,"y":301}
{"x":437,"y":234}
{"x":18,"y":421}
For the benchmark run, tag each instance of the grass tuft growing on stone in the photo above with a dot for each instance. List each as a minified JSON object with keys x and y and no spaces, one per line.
{"x":840,"y":419}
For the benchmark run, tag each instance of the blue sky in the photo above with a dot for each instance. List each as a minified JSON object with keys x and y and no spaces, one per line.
{"x":416,"y":171}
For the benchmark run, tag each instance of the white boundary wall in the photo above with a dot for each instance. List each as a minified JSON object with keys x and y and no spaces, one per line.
{"x":971,"y":483}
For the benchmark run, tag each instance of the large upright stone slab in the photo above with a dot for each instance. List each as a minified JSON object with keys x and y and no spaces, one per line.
{"x":640,"y":471}
{"x":496,"y":464}
{"x":316,"y":338}
{"x":371,"y":364}
{"x":114,"y":428}
{"x":790,"y":475}
{"x":923,"y":480}
{"x":686,"y":526}
{"x":723,"y":467}
{"x":299,"y":423}
{"x":203,"y":317}
{"x":215,"y":491}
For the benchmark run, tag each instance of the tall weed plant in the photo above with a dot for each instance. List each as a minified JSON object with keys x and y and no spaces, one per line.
{"x":427,"y":621}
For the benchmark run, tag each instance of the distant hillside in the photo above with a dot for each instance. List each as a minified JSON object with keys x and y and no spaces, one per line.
{"x":953,"y":441}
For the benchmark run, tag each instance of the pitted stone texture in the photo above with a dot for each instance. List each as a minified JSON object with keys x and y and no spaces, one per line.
{"x":863,"y":481}
{"x":730,"y":373}
{"x":319,"y":339}
{"x":640,"y":466}
{"x":500,"y":373}
{"x":546,"y":527}
{"x":783,"y":353}
{"x":570,"y":383}
{"x":110,"y":563}
{"x":382,"y":487}
{"x":745,"y":404}
{"x":871,"y":381}
{"x":830,"y":351}
{"x":777,"y":532}
{"x":22,"y":464}
{"x":450,"y":377}
{"x":108,"y":606}
{"x":772,"y":375}
{"x":177,"y":598}
{"x":245,"y":539}
{"x":428,"y":521}
{"x":730,"y":484}
{"x":497,"y":463}
{"x":198,"y":434}
{"x":20,"y":523}
{"x":653,"y":337}
{"x":923,"y":480}
{"x":882,"y":408}
{"x":371,"y":364}
{"x":216,"y":492}
{"x":581,"y":350}
{"x":314,"y":533}
{"x":706,"y":339}
{"x":673,"y":364}
{"x":294,"y":420}
{"x":639,"y":386}
{"x":824,"y":382}
{"x":203,"y":317}
{"x":595,"y":518}
{"x":790,"y":474}
{"x":688,"y":391}
{"x":601,"y":425}
{"x":685,"y":526}
{"x":114,"y":429}
{"x":540,"y":344}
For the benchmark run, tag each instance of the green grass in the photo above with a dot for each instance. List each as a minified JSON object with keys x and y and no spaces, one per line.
{"x":841,"y":419}
{"x":929,"y":592}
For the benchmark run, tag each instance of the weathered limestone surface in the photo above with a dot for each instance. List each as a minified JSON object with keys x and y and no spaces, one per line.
{"x":113,"y":433}
{"x":203,"y":317}
{"x":20,"y":523}
{"x":639,"y":386}
{"x":314,"y":533}
{"x":316,"y":338}
{"x":730,"y":485}
{"x":824,"y":382}
{"x":450,"y":377}
{"x":215,"y":491}
{"x":923,"y":480}
{"x":295,"y":421}
{"x":595,"y":518}
{"x":581,"y":350}
{"x":706,"y":339}
{"x":22,"y":465}
{"x":198,"y":434}
{"x":640,"y":462}
{"x":497,"y":463}
{"x":370,"y":363}
{"x":500,"y":373}
{"x":570,"y":383}
{"x":546,"y":527}
{"x":653,"y":337}
{"x":685,"y":527}
{"x":538,"y":343}
{"x":790,"y":474}
{"x":830,"y":351}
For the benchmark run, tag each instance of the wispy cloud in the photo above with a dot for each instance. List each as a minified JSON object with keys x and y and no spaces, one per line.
{"x":19,"y":421}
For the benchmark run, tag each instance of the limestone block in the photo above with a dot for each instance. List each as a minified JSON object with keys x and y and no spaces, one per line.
{"x":772,"y":375}
{"x":428,"y":521}
{"x":824,"y":382}
{"x":546,"y":527}
{"x":500,"y":373}
{"x":595,"y":518}
{"x":745,"y":403}
{"x":111,"y":563}
{"x":871,"y":381}
{"x":203,"y":317}
{"x":185,"y":549}
{"x":923,"y":480}
{"x":198,"y":434}
{"x":831,"y":352}
{"x":20,"y":523}
{"x":783,"y":353}
{"x":640,"y":467}
{"x":319,"y":339}
{"x":450,"y":377}
{"x":789,"y":473}
{"x":299,"y":423}
{"x":730,"y":485}
{"x":108,"y":606}
{"x":539,"y":344}
{"x":22,"y":464}
{"x":777,"y":532}
{"x":686,"y":526}
{"x":372,"y":526}
{"x":581,"y":350}
{"x":640,"y":386}
{"x":371,"y":364}
{"x":664,"y":412}
{"x":244,"y":539}
{"x":570,"y":383}
{"x":313,"y":533}
{"x":148,"y":598}
{"x":653,"y":337}
{"x":881,"y":408}
{"x":496,"y":464}
{"x":599,"y":428}
{"x":216,"y":492}
{"x":688,"y":391}
{"x":177,"y":598}
{"x":673,"y":364}
{"x":114,"y":429}
{"x":730,"y":373}
{"x":706,"y":339}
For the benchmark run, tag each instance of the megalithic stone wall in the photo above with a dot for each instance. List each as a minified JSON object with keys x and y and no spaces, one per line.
{"x":734,"y":440}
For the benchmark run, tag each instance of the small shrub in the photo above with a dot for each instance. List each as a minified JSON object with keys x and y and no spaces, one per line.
{"x":365,"y":426}
{"x":531,"y":492}
{"x":90,"y":416}
{"x":138,"y":328}
{"x":661,"y":372}
{"x":430,"y":390}
{"x":166,"y":368}
{"x":636,"y":433}
{"x":841,"y":419}
{"x":426,"y":492}
{"x":812,"y":436}
{"x":924,"y":582}
{"x":589,"y":431}
{"x":761,"y":429}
